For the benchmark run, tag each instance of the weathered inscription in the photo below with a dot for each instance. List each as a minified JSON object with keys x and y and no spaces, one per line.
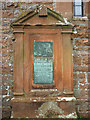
{"x":43,"y":70}
{"x":43,"y":48}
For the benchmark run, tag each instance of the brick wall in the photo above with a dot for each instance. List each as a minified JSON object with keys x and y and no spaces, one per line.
{"x":81,"y":63}
{"x":0,"y":67}
{"x":81,"y":46}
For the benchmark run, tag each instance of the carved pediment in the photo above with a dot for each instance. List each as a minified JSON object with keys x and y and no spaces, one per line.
{"x":41,"y":15}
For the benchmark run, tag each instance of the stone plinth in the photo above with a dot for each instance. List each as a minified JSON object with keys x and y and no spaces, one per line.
{"x":43,"y":107}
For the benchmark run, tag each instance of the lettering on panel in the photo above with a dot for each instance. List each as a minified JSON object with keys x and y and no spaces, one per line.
{"x":43,"y":49}
{"x":43,"y":70}
{"x":43,"y":67}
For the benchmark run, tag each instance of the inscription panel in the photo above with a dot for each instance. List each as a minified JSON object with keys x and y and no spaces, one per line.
{"x":43,"y":49}
{"x":43,"y":70}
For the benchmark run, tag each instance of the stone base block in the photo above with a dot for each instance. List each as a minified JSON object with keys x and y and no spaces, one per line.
{"x":61,"y":107}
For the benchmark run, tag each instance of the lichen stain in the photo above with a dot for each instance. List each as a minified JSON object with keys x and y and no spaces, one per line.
{"x":49,"y":110}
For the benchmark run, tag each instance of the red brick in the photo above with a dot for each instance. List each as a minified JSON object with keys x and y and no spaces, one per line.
{"x":7,"y":13}
{"x":84,"y":115}
{"x":6,"y":82}
{"x":83,"y":108}
{"x":81,"y":75}
{"x":74,"y":75}
{"x":88,"y":77}
{"x":81,"y":48}
{"x":86,"y":60}
{"x":77,"y":60}
{"x":80,"y":68}
{"x":5,"y":65}
{"x":83,"y":86}
{"x":83,"y":53}
{"x":82,"y":81}
{"x":75,"y":83}
{"x":81,"y":35}
{"x":82,"y":102}
{"x":6,"y":70}
{"x":6,"y":21}
{"x":83,"y":94}
{"x":4,"y":50}
{"x":77,"y":93}
{"x":82,"y":42}
{"x":6,"y":114}
{"x":7,"y":104}
{"x":88,"y":68}
{"x":4,"y":92}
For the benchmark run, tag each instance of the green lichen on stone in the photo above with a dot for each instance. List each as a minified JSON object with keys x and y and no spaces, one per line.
{"x":57,"y":15}
{"x":25,"y":15}
{"x":51,"y":114}
{"x":49,"y":110}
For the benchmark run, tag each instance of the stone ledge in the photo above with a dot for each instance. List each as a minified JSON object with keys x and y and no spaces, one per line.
{"x":80,"y":18}
{"x":65,"y":108}
{"x":42,"y":99}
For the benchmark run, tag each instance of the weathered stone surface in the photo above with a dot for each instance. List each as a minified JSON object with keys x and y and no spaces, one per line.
{"x":77,"y":60}
{"x":80,"y":47}
{"x":81,"y":75}
{"x":86,"y":60}
{"x":82,"y":42}
{"x":81,"y":68}
{"x":75,"y":83}
{"x":42,"y":109}
{"x":49,"y":109}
